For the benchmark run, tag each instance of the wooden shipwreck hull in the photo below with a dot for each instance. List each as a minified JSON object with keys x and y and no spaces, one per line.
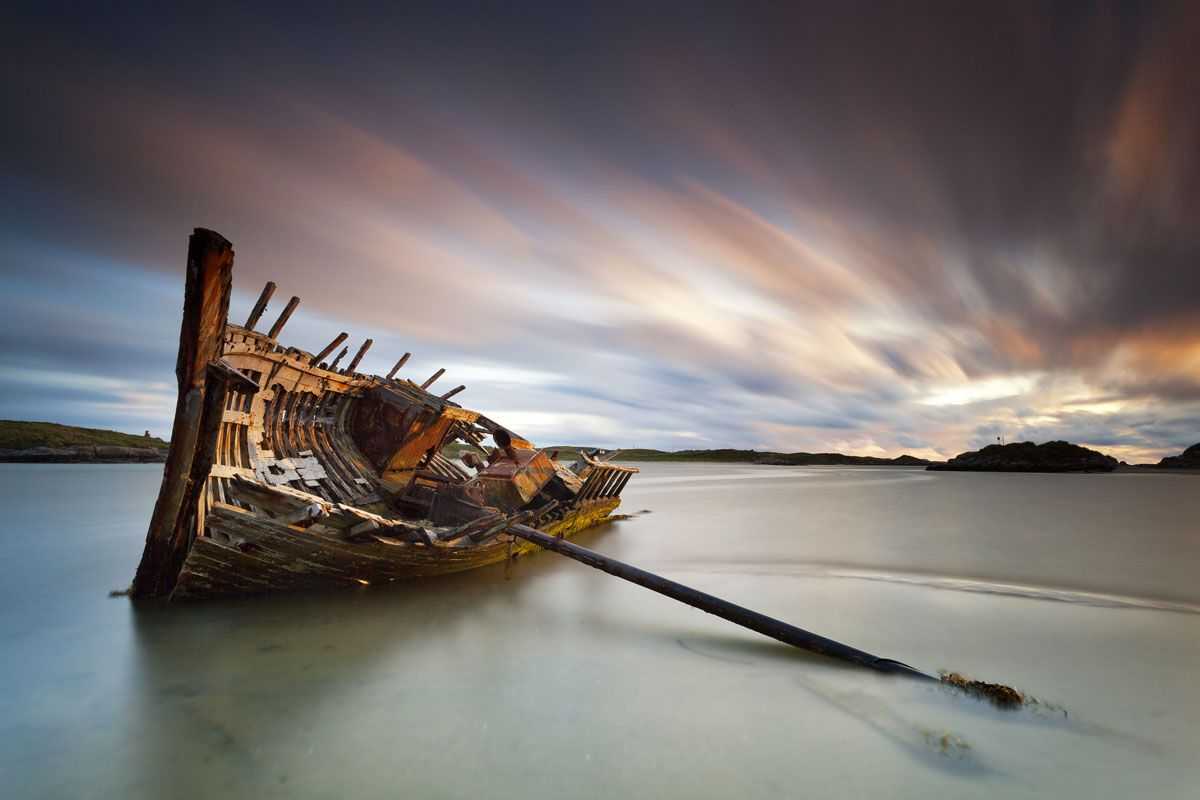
{"x":288,"y":472}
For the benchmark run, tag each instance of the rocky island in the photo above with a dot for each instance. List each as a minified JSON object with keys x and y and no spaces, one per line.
{"x":1029,"y":457}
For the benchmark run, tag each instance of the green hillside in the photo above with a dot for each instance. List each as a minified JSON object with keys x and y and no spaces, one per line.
{"x":16,"y":435}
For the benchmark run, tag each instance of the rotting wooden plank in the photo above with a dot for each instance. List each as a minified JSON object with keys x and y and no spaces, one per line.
{"x":201,"y":336}
{"x":285,"y":421}
{"x":362,"y":351}
{"x":342,"y":354}
{"x":283,"y":318}
{"x":433,"y":377}
{"x":342,"y":485}
{"x":229,"y":471}
{"x":260,"y":306}
{"x":329,"y":348}
{"x":343,"y":474}
{"x":403,"y":360}
{"x":313,"y":470}
{"x":300,"y":441}
{"x":239,"y":417}
{"x":281,"y":558}
{"x":349,"y":451}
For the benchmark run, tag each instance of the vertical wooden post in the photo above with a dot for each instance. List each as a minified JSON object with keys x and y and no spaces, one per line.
{"x":197,"y":413}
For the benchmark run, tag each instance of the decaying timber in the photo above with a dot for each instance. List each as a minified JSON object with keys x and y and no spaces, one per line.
{"x":286,"y":472}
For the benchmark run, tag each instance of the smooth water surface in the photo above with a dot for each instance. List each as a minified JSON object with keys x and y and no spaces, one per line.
{"x":558,"y":681}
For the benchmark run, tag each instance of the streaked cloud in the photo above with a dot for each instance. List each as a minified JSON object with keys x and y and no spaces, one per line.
{"x":729,"y":229}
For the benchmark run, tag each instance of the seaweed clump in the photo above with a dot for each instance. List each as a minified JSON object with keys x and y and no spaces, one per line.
{"x":999,"y":695}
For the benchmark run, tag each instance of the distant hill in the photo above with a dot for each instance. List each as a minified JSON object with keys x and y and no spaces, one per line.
{"x":1188,"y":459}
{"x":51,"y":442}
{"x":1029,"y":457}
{"x":727,"y":456}
{"x":730,"y":456}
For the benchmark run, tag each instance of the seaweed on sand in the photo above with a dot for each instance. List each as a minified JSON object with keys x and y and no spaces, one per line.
{"x":999,"y":695}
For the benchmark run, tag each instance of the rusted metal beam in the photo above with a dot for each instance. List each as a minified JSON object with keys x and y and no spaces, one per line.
{"x":362,"y":351}
{"x":198,"y":412}
{"x":433,"y":378}
{"x":260,"y":306}
{"x":283,"y":318}
{"x":329,"y":348}
{"x":403,"y":360}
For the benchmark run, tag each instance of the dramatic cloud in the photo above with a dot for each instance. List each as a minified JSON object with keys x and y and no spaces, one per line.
{"x":791,"y":228}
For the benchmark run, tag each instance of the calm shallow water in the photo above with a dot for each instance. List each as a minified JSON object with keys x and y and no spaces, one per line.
{"x":561,"y":681}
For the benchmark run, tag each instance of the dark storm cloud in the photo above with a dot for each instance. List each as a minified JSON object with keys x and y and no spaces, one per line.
{"x":796,"y":226}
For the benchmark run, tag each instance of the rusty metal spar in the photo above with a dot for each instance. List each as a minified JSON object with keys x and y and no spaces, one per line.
{"x":739,"y":615}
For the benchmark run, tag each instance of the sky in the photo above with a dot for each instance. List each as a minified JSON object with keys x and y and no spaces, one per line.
{"x":874,"y":228}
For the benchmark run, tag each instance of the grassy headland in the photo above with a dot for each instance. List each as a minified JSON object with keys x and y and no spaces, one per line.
{"x":17,"y":435}
{"x":49,"y":442}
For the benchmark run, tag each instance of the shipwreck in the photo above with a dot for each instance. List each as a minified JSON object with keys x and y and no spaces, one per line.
{"x":289,"y":471}
{"x":286,"y":472}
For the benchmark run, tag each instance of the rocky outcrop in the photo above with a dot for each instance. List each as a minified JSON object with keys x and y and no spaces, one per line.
{"x":1030,"y":457}
{"x":85,"y":454}
{"x":1188,"y":459}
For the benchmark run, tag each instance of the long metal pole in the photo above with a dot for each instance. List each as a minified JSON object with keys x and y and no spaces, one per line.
{"x":739,"y":615}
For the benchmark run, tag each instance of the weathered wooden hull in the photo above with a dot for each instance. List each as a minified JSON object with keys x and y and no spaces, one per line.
{"x":262,"y":556}
{"x":289,"y":473}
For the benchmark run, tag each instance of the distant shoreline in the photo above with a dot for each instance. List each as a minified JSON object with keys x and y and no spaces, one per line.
{"x":99,"y":454}
{"x":1155,"y":469}
{"x":52,"y":443}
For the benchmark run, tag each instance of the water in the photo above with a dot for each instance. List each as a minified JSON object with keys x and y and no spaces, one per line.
{"x":560,"y":681}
